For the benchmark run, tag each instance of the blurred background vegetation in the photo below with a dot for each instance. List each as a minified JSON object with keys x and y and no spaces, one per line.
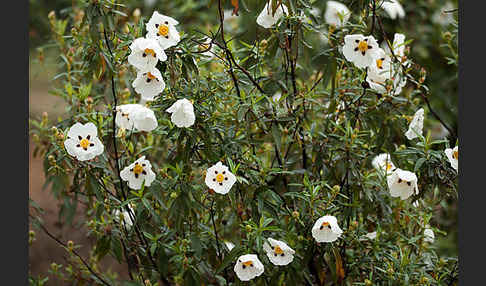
{"x":433,"y":46}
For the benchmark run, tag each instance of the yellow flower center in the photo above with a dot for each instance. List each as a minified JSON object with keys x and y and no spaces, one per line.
{"x":324,"y":224}
{"x":278,"y":250}
{"x":455,"y":155}
{"x":248,"y":263}
{"x":219,"y":178}
{"x":388,"y":166}
{"x":150,"y":76}
{"x":363,"y":46}
{"x":379,"y":63}
{"x":84,"y":143}
{"x":163,"y":30}
{"x":149,"y":52}
{"x":138,"y":169}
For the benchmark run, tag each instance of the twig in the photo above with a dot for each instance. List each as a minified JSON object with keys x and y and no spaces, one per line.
{"x":73,"y":251}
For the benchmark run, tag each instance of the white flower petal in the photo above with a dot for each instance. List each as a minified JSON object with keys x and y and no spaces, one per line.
{"x":429,"y":235}
{"x":416,"y":125}
{"x":326,"y":233}
{"x":149,"y":87}
{"x":393,"y":8}
{"x":402,"y":184}
{"x":383,"y":163}
{"x":182,"y":113}
{"x":248,"y":266}
{"x":219,"y":178}
{"x":453,"y":156}
{"x":278,"y":252}
{"x":353,"y":53}
{"x":158,"y":20}
{"x":82,"y":142}
{"x":265,"y":18}
{"x":336,"y":14}
{"x":137,"y":173}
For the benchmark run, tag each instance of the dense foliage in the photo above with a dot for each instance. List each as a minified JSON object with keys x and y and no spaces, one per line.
{"x":297,"y":124}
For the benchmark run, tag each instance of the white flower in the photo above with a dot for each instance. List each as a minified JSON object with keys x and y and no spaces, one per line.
{"x":416,"y":125}
{"x":429,"y":235}
{"x":326,"y":229}
{"x":129,"y":116}
{"x":248,"y":267}
{"x":207,"y":46}
{"x":162,"y":28}
{"x":438,"y":131}
{"x":453,"y":156}
{"x":371,"y":235}
{"x":441,"y":17}
{"x":393,"y":8}
{"x":278,"y":252}
{"x":124,"y":215}
{"x":383,"y":163}
{"x":138,"y":172}
{"x":382,"y":70}
{"x":360,"y":50}
{"x":402,"y":184}
{"x":219,"y":178}
{"x":266,"y":20}
{"x":145,"y":53}
{"x":149,"y":84}
{"x":336,"y":14}
{"x":82,"y":141}
{"x":229,"y":245}
{"x":399,"y":45}
{"x":276,"y":97}
{"x":182,"y":113}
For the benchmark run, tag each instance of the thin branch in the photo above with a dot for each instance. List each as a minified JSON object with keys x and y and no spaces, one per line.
{"x":73,"y":251}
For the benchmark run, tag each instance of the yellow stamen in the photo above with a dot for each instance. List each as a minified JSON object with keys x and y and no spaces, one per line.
{"x":150,"y":76}
{"x":324,"y":224}
{"x":363,"y":46}
{"x":219,"y":178}
{"x":278,"y":250}
{"x":84,"y":143}
{"x":138,"y":169}
{"x":163,"y":30}
{"x":149,"y":52}
{"x":248,"y":263}
{"x":455,"y":155}
{"x":379,"y":63}
{"x":388,"y":166}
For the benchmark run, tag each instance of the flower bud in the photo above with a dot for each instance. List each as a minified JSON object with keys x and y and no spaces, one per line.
{"x":52,"y":15}
{"x":447,"y":36}
{"x":70,"y":245}
{"x":295,"y":214}
{"x":31,"y":236}
{"x":52,"y":160}
{"x":74,"y":32}
{"x":248,"y":228}
{"x":336,"y":188}
{"x":137,"y":13}
{"x":173,"y":195}
{"x":36,"y":138}
{"x":45,"y":117}
{"x":368,"y":282}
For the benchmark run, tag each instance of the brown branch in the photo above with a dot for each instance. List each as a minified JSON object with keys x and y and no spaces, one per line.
{"x":73,"y":251}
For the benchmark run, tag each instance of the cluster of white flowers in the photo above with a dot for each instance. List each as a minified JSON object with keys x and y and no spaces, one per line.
{"x":363,"y":51}
{"x":248,"y":266}
{"x":82,"y":141}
